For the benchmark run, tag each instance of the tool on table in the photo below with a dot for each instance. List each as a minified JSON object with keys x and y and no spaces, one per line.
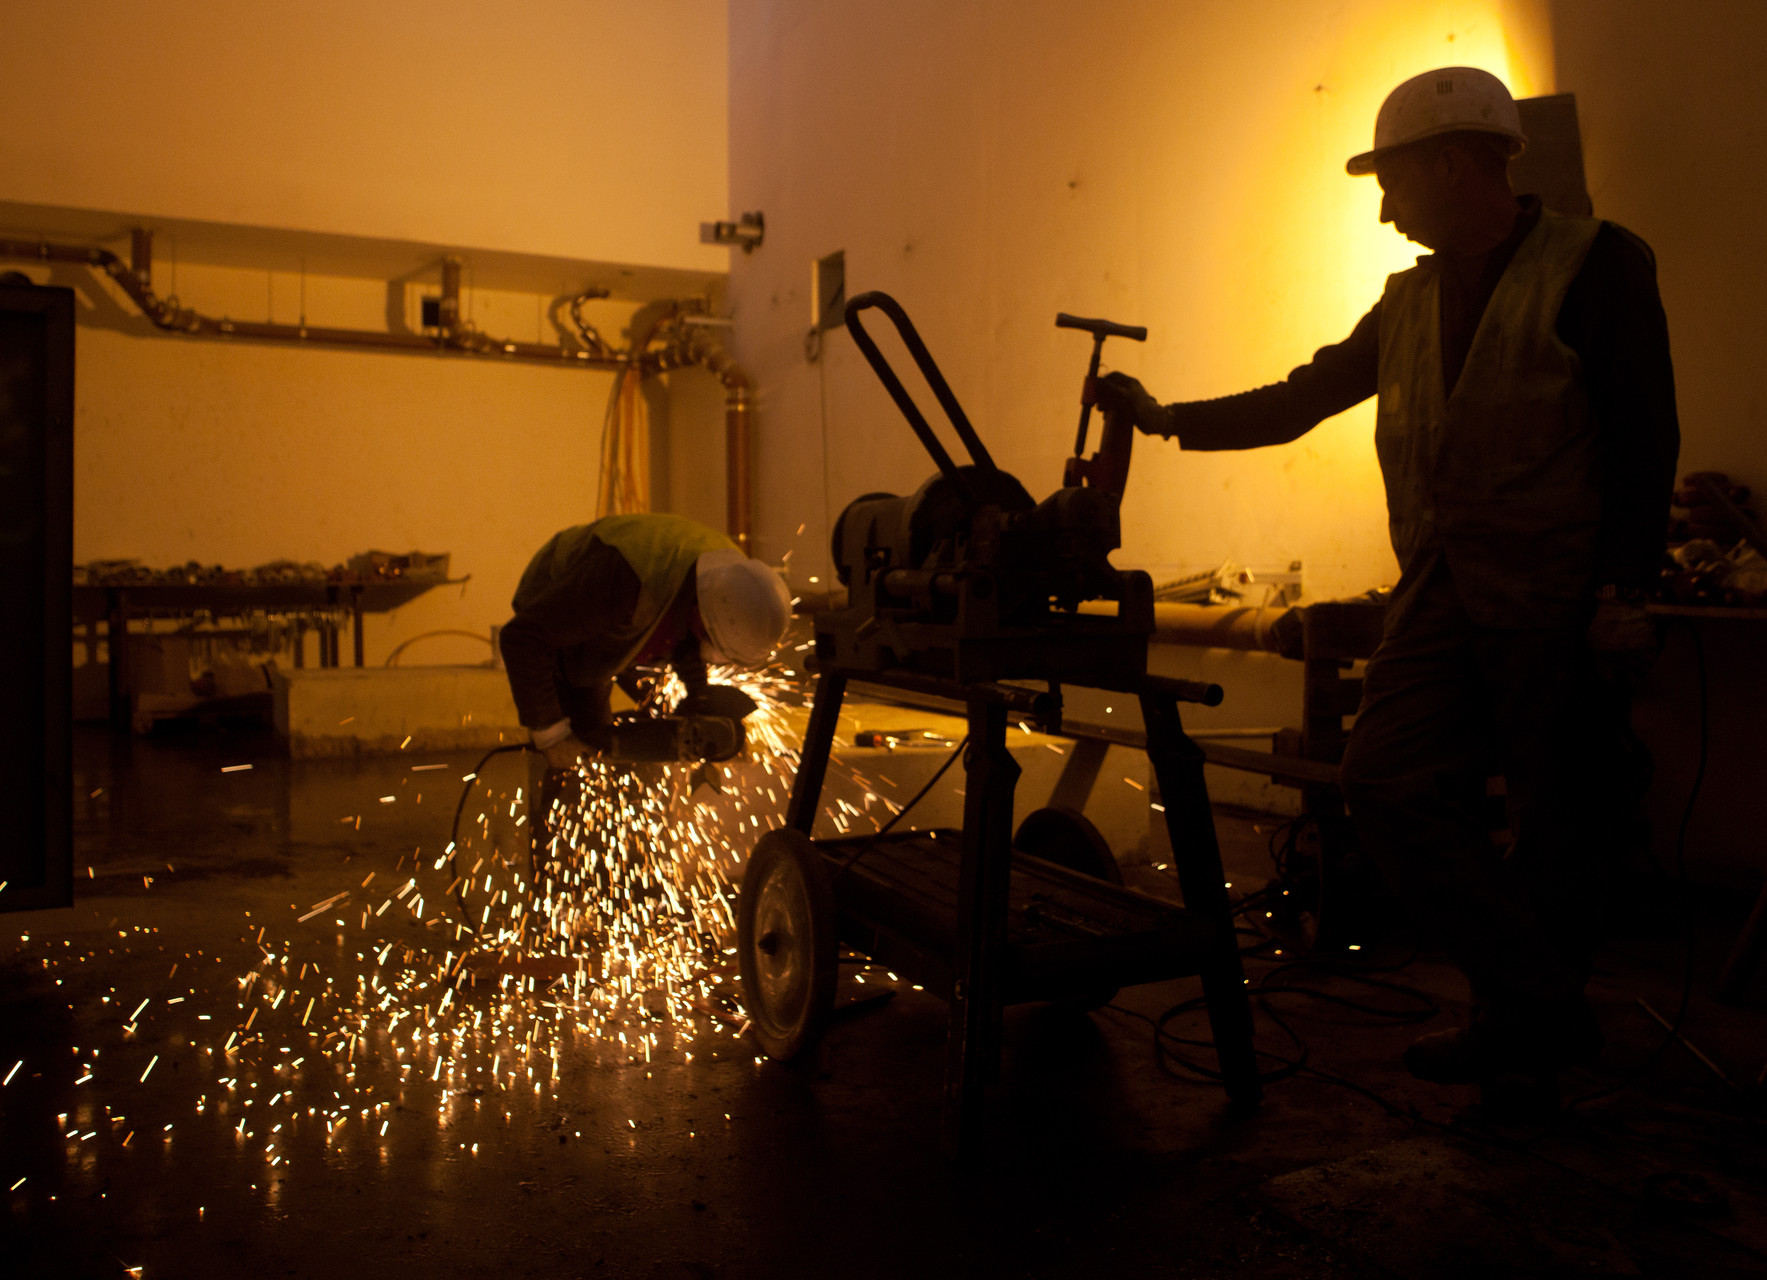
{"x":900,"y":738}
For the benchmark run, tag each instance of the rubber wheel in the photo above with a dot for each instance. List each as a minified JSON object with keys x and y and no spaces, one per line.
{"x":1067,"y":838}
{"x":785,"y":943}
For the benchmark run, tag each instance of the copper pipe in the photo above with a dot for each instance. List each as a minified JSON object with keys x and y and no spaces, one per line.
{"x":714,"y":359}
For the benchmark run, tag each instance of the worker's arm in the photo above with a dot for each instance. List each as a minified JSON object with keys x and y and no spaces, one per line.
{"x":1613,"y":318}
{"x":689,"y":664}
{"x":1338,"y":376}
{"x":586,"y":605}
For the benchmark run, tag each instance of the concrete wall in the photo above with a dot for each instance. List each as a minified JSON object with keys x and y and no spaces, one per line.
{"x":992,"y":163}
{"x":581,"y":128}
{"x":1672,"y":106}
{"x":587,"y":130}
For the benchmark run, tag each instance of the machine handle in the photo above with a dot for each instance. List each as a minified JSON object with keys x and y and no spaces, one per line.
{"x":1205,"y":692}
{"x":936,"y":380}
{"x":1101,"y":328}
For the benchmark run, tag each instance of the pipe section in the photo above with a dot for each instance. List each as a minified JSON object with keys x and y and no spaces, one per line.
{"x":135,"y":280}
{"x":691,"y":347}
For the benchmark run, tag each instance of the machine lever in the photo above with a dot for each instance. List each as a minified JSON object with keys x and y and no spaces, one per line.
{"x":935,"y":379}
{"x":1100,"y":330}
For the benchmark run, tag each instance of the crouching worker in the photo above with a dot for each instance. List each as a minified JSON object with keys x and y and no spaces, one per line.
{"x":598,"y":602}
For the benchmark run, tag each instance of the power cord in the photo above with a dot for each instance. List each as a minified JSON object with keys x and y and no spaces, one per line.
{"x":460,"y":808}
{"x":900,"y":813}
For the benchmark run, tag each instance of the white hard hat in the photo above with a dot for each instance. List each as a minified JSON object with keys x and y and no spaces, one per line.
{"x":744,"y":605}
{"x":1451,"y":100}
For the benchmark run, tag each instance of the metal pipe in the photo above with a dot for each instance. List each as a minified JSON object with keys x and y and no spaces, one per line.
{"x":449,"y":307}
{"x":695,"y":349}
{"x":141,"y":255}
{"x":1207,"y":626}
{"x":135,"y":281}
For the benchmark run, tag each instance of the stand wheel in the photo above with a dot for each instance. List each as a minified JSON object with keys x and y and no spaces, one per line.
{"x":1067,"y":838}
{"x":785,"y":943}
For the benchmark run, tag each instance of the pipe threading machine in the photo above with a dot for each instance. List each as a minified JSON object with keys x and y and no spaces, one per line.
{"x":967,"y":590}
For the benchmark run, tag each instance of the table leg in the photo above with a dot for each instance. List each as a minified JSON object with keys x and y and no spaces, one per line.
{"x":1178,"y":764}
{"x":356,"y":620}
{"x":116,"y":628}
{"x":991,"y":775}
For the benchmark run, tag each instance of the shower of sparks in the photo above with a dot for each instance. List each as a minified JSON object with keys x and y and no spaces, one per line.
{"x":614,"y":942}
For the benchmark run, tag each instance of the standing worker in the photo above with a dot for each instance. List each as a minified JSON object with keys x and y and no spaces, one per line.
{"x":1527,"y":434}
{"x":600,"y":600}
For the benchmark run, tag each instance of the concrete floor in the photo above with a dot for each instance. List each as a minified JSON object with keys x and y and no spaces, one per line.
{"x":129,"y":1152}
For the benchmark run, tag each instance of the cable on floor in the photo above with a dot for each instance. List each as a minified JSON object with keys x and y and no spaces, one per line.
{"x":918,"y":796}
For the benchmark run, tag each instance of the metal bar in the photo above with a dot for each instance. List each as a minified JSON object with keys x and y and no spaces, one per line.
{"x":1694,"y":1049}
{"x":825,"y":718}
{"x":117,"y":648}
{"x":1079,"y":773}
{"x":1039,"y":703}
{"x":134,"y":280}
{"x":1177,"y":763}
{"x":1209,"y":695}
{"x":1746,"y":954}
{"x":356,"y":621}
{"x":736,"y":465}
{"x":984,"y":878}
{"x":929,"y":370}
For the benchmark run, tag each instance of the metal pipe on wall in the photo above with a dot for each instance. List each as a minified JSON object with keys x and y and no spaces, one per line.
{"x":135,"y":281}
{"x":684,"y":348}
{"x":693,"y":349}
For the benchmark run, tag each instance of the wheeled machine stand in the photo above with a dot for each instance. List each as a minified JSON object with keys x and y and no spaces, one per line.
{"x":968,"y":591}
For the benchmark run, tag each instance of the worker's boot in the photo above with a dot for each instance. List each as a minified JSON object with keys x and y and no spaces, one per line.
{"x":1508,"y":1040}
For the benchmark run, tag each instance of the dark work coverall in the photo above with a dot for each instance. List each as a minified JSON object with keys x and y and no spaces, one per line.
{"x":1506,"y":523}
{"x":573,"y":636}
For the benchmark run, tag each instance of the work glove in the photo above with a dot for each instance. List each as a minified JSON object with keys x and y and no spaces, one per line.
{"x":1623,"y":641}
{"x":1119,"y":394}
{"x":565,"y":754}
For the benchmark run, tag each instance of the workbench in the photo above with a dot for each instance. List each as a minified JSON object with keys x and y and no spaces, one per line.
{"x":326,"y":603}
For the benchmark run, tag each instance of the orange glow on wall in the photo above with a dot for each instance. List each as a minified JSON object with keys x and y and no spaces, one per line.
{"x":1179,"y":167}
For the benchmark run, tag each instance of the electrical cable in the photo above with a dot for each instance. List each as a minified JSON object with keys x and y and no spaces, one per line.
{"x":460,"y":808}
{"x":916,"y":799}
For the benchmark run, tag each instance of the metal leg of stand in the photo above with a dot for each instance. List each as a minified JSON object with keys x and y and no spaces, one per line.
{"x":1178,"y":764}
{"x":983,"y":880}
{"x":1079,"y":773}
{"x":1746,"y":955}
{"x":825,"y":718}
